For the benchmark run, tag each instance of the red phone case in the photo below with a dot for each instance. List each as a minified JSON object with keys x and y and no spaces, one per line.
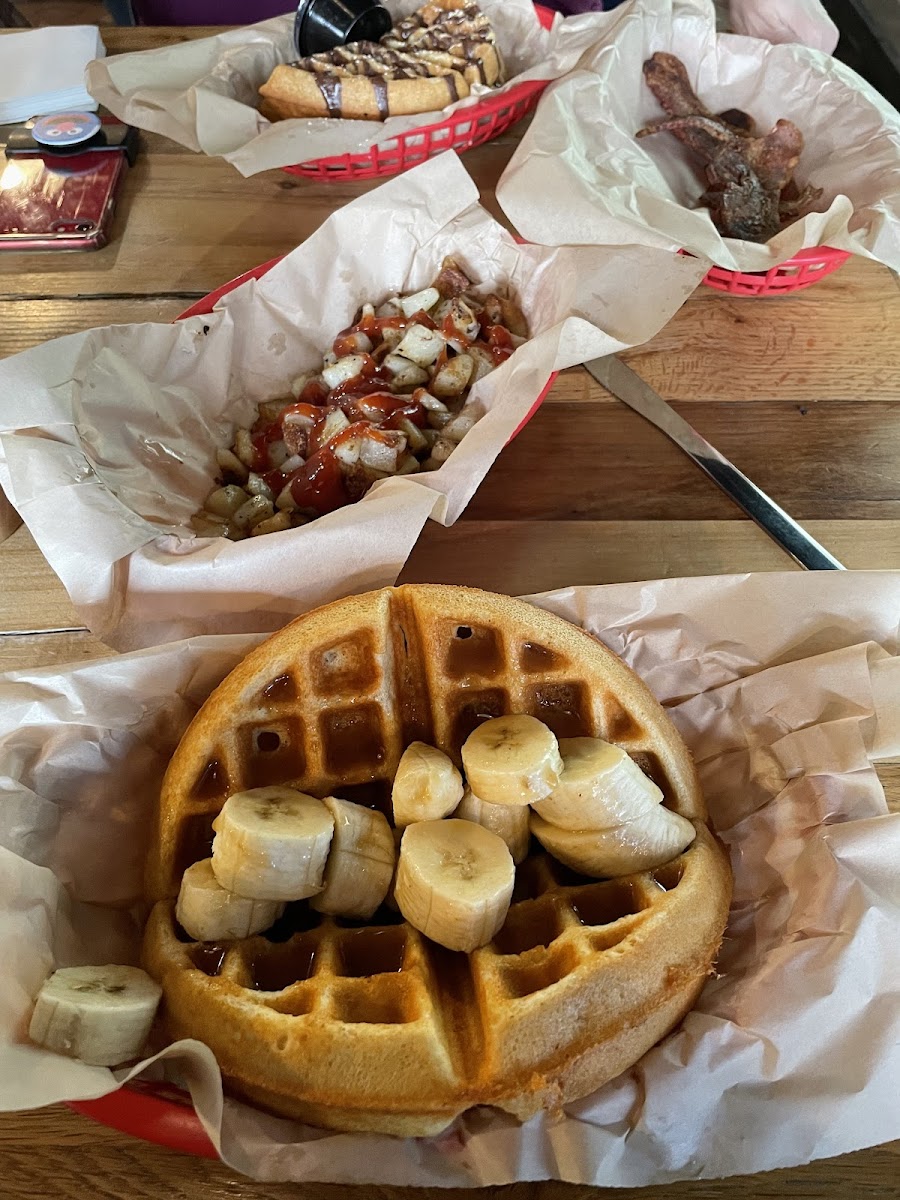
{"x":49,"y":202}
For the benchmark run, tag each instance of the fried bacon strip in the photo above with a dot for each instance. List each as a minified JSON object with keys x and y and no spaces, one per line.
{"x":750,"y":192}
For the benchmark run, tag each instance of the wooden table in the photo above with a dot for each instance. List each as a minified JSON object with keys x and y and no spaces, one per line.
{"x":803,"y":393}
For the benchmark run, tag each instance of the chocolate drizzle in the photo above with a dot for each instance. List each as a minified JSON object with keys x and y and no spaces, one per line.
{"x":380,"y":88}
{"x":331,"y":87}
{"x":452,"y":88}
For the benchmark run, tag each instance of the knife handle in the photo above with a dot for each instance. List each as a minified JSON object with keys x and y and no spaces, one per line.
{"x":800,"y":545}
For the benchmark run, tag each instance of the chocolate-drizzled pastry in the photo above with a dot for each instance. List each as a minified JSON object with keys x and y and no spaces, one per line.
{"x":429,"y":60}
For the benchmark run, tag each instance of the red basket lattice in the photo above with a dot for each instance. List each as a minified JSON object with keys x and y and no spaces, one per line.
{"x":467,"y":128}
{"x":802,"y":271}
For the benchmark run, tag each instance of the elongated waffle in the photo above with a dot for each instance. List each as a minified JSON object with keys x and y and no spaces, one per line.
{"x":429,"y":60}
{"x":374,"y":1027}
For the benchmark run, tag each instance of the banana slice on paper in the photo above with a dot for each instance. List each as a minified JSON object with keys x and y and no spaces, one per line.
{"x":600,"y":787}
{"x":509,"y":821}
{"x":271,"y":843}
{"x":360,"y":863}
{"x":427,"y":786}
{"x":454,"y":882}
{"x":210,"y":914}
{"x":101,"y":1015}
{"x":512,"y":760}
{"x":646,"y":842}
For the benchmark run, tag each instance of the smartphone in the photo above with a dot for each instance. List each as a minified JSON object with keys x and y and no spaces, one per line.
{"x":60,"y":201}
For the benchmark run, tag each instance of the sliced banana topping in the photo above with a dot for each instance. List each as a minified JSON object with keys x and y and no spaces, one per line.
{"x":512,"y":760}
{"x":101,"y":1015}
{"x":427,"y":786}
{"x":360,"y":863}
{"x":509,"y":821}
{"x":272,"y":844}
{"x":600,"y":787}
{"x":209,"y":913}
{"x":646,"y":842}
{"x":454,"y":882}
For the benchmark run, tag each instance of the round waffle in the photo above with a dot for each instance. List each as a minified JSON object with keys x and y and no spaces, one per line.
{"x":374,"y":1027}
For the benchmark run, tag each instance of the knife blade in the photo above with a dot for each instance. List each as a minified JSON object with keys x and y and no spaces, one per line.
{"x":625,"y":384}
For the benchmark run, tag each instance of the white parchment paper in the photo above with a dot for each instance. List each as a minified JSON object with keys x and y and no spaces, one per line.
{"x":579,"y":175}
{"x":204,"y":94}
{"x":786,"y":687}
{"x":108,"y":438}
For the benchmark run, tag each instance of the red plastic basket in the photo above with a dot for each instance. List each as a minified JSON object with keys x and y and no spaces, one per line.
{"x":159,"y":1112}
{"x":799,"y":272}
{"x":467,"y":128}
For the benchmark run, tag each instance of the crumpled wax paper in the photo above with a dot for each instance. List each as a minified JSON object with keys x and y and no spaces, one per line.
{"x":785,"y":687}
{"x":108,"y":438}
{"x":204,"y":94}
{"x":579,"y":175}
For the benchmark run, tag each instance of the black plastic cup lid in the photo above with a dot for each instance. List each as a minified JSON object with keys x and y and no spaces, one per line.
{"x":323,"y":24}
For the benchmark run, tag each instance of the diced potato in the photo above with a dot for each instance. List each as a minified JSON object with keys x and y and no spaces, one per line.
{"x":332,"y":426}
{"x":292,"y":464}
{"x":204,"y":524}
{"x":464,"y":320}
{"x":406,"y":375}
{"x":356,"y":343}
{"x":391,"y":337}
{"x":234,"y":534}
{"x":430,"y":436}
{"x":225,"y":501}
{"x":298,"y":519}
{"x":419,"y":301}
{"x":276,"y":524}
{"x":430,"y":402}
{"x":367,"y":310}
{"x":257,"y":509}
{"x":343,"y":369}
{"x":285,"y":501}
{"x":457,"y":428}
{"x":415,"y":438}
{"x":347,"y":453}
{"x":271,"y":410}
{"x":278,"y":452}
{"x":381,"y":451}
{"x":451,"y":281}
{"x":453,"y":377}
{"x":441,"y":450}
{"x":243,"y":447}
{"x":437,"y":420}
{"x":408,"y":465}
{"x":421,"y":345}
{"x":330,"y":359}
{"x":299,"y":383}
{"x":390,"y":308}
{"x":513,"y":318}
{"x":233,"y":470}
{"x":484,"y":363}
{"x":257,"y":486}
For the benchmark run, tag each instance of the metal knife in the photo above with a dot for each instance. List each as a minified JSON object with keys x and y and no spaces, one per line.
{"x":627,"y":386}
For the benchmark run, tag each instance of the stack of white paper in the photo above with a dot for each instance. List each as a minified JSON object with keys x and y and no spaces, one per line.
{"x":42,"y":70}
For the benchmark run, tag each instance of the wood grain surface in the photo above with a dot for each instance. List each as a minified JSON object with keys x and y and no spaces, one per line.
{"x":802,"y":392}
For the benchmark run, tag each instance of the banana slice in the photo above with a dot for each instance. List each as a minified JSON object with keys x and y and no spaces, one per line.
{"x":509,"y":821}
{"x":271,"y":843}
{"x":646,"y":842}
{"x":600,"y":787}
{"x":512,"y":760}
{"x":360,"y":863}
{"x":427,"y":786}
{"x":210,"y":914}
{"x":454,"y":882}
{"x":101,"y":1015}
